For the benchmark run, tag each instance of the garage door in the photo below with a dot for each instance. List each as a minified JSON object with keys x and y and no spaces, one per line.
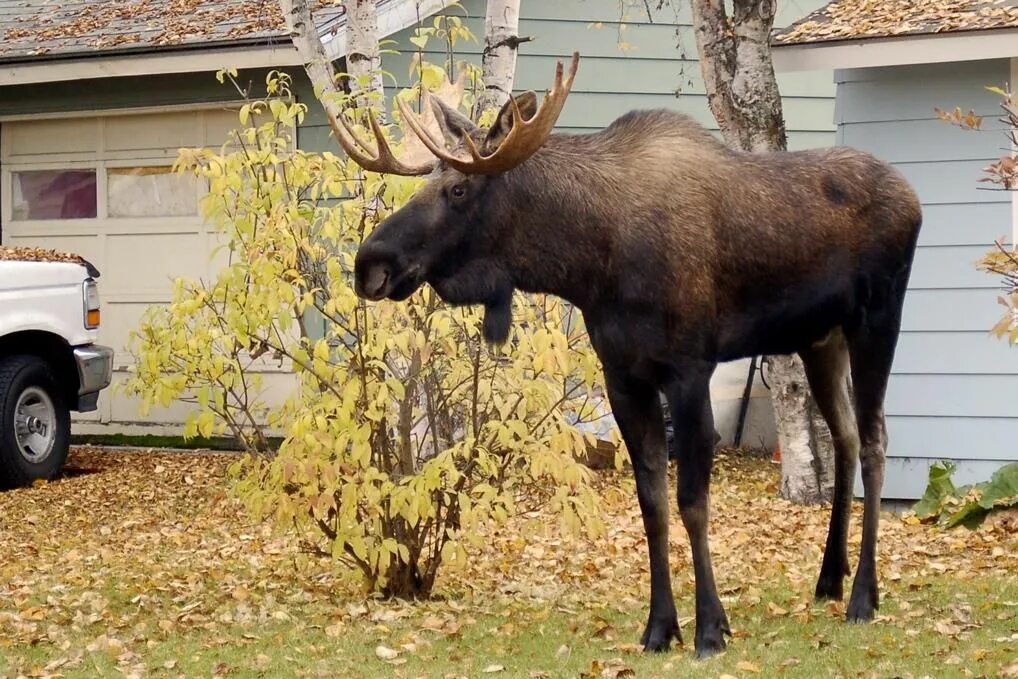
{"x":101,"y":186}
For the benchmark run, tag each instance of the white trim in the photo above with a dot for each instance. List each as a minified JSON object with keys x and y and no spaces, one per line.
{"x":1014,"y":194}
{"x":57,"y":70}
{"x":392,"y":18}
{"x":128,"y":111}
{"x":897,"y":51}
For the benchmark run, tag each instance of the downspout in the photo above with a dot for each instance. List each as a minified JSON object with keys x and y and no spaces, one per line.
{"x":744,"y":404}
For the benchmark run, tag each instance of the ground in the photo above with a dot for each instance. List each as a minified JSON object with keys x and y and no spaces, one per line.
{"x":141,"y":564}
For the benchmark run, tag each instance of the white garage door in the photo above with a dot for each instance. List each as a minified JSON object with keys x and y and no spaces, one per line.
{"x":101,"y":186}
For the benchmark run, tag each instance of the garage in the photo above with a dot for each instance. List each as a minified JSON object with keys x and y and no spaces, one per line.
{"x":102,"y":186}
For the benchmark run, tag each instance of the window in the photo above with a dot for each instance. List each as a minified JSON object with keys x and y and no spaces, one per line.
{"x":150,"y":192}
{"x":54,"y":194}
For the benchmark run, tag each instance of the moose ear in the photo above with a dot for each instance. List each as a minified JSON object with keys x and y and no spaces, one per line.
{"x":527,"y":103}
{"x":454,"y":125}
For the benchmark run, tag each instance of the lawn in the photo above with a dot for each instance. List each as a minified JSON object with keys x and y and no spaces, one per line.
{"x":140,"y":564}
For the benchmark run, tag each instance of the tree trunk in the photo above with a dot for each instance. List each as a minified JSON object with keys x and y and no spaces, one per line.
{"x":807,"y":450}
{"x":363,"y":60}
{"x":744,"y":98}
{"x":301,"y":25}
{"x":498,"y":63}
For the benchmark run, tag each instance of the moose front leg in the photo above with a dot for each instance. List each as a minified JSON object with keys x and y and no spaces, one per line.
{"x":637,"y":410}
{"x":693,"y":421}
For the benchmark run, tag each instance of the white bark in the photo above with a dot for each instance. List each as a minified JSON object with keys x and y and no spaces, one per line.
{"x":363,"y":60}
{"x":301,"y":26}
{"x":807,"y":461}
{"x":744,"y":98}
{"x":498,"y":63}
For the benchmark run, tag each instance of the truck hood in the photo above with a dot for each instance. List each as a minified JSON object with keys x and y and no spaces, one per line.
{"x":17,"y":274}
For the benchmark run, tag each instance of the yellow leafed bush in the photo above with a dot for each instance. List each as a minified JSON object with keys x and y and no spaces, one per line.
{"x":404,"y":430}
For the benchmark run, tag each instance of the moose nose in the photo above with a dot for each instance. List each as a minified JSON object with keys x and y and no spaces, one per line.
{"x":374,"y":282}
{"x":372,"y":272}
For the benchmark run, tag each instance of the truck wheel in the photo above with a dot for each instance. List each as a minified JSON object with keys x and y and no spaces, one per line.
{"x":35,"y":423}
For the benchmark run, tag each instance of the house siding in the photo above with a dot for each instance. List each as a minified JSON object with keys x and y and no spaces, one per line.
{"x":658,"y":69}
{"x":953,"y":386}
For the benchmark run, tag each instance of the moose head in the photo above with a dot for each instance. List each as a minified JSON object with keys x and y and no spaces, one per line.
{"x":452,"y":234}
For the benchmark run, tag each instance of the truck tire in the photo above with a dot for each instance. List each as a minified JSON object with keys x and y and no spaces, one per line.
{"x":35,"y":422}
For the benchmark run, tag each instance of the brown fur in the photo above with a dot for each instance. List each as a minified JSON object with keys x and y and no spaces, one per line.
{"x":682,"y":254}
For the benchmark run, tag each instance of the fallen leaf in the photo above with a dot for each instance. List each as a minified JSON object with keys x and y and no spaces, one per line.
{"x":746,"y":666}
{"x":386,"y":653}
{"x":492,"y":669}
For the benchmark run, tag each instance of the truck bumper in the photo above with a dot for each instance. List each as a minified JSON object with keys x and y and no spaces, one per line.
{"x":95,"y":371}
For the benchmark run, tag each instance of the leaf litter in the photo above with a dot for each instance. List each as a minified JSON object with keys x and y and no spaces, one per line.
{"x":133,"y":548}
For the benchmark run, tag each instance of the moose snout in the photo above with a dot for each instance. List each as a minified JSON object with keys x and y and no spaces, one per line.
{"x":372,"y":273}
{"x":381,"y":271}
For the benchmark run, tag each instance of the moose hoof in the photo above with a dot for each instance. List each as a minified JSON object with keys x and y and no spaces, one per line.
{"x":862,"y":605}
{"x":710,"y":637}
{"x":659,"y":634}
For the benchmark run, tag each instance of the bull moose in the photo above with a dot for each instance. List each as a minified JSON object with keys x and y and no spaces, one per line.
{"x":680,"y":253}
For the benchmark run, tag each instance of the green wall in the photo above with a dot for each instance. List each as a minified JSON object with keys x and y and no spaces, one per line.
{"x":658,"y":69}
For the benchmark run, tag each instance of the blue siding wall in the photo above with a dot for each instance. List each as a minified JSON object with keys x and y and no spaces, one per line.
{"x":954,"y":388}
{"x":657,"y":68}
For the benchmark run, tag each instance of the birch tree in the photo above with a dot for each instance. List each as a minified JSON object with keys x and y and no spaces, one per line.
{"x":498,"y":62}
{"x":363,"y":59}
{"x":364,"y":62}
{"x":742,"y":91}
{"x":301,"y":27}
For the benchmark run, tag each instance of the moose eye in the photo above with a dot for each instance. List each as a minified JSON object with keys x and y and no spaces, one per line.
{"x":458,"y":191}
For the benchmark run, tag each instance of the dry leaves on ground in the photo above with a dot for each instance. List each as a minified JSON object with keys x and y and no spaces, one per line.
{"x":133,"y":546}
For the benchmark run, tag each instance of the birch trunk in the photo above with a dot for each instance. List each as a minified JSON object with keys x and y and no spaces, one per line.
{"x":363,"y":59}
{"x":301,"y":26}
{"x":498,"y":63}
{"x":744,"y":98}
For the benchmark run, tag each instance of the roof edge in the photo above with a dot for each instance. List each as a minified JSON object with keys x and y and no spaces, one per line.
{"x":151,"y":63}
{"x":262,"y":52}
{"x":900,"y":50}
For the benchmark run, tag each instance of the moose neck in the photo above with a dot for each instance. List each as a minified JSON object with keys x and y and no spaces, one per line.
{"x":560,"y":233}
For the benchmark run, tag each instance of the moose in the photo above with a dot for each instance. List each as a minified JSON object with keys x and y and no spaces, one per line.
{"x":680,"y":253}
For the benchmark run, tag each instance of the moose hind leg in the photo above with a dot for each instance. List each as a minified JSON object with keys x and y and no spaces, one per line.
{"x":827,"y":370}
{"x":637,"y":410}
{"x":872,"y":346}
{"x":694,"y":442}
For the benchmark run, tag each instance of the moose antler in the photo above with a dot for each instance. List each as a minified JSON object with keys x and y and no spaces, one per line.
{"x":385,"y":161}
{"x":523,"y":140}
{"x":416,"y":159}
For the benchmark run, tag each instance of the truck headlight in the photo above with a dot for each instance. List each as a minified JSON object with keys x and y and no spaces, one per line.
{"x":90,"y":296}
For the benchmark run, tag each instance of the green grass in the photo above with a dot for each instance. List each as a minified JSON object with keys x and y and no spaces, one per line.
{"x":154,"y":441}
{"x":141,"y":565}
{"x":560,"y":642}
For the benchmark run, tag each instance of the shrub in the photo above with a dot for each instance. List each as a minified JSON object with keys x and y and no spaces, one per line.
{"x":404,"y":431}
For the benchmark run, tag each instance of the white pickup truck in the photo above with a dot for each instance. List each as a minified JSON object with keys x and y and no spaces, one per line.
{"x":49,"y":362}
